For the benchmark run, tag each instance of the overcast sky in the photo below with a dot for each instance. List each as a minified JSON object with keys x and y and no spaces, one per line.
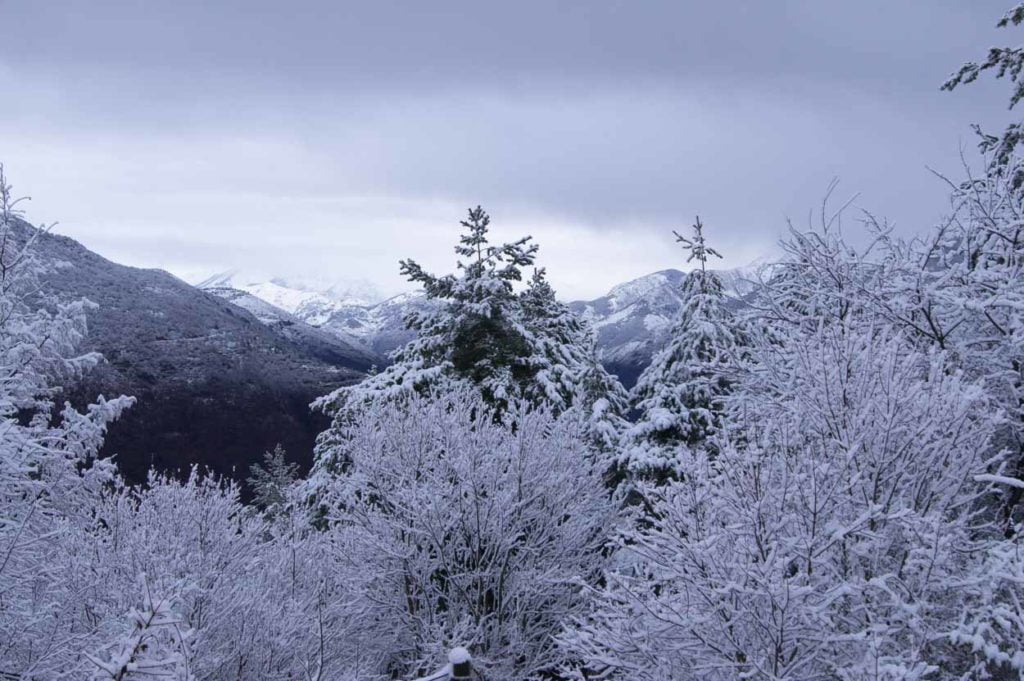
{"x":333,"y":138}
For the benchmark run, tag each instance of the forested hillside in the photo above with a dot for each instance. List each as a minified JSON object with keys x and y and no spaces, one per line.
{"x":213,"y":386}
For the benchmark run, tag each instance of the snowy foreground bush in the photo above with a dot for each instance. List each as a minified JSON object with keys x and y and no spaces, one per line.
{"x":838,"y":534}
{"x":469,"y":531}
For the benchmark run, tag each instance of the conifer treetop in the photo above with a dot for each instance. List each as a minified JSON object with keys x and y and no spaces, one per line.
{"x":698,"y":250}
{"x":478,"y":259}
{"x":697,"y":246}
{"x":1003,"y":62}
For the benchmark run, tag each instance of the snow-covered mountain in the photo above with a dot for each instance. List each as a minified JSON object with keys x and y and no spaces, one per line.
{"x":632,"y":320}
{"x":309,"y":298}
{"x":322,"y":343}
{"x":217,"y":383}
{"x":354,"y":311}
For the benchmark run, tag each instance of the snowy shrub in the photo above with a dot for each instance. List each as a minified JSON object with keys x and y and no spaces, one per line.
{"x":155,"y":646}
{"x":470,"y":531}
{"x":49,"y":472}
{"x":828,"y":538}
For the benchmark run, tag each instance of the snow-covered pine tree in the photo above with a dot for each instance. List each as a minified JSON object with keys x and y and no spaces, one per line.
{"x":480,"y":332}
{"x":1005,"y":62}
{"x":568,"y":370}
{"x":475,"y":333}
{"x":553,"y":334}
{"x":472,"y":334}
{"x":269,"y":482}
{"x":605,"y":402}
{"x":679,"y":395}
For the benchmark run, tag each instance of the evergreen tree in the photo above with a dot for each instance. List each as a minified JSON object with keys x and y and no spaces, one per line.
{"x":605,"y":402}
{"x":679,"y":396}
{"x":568,"y":370}
{"x":553,"y":333}
{"x":1006,"y":62}
{"x":480,"y":332}
{"x":270,"y":480}
{"x":472,"y":334}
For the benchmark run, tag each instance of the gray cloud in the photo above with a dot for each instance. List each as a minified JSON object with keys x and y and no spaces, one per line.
{"x":342,"y":136}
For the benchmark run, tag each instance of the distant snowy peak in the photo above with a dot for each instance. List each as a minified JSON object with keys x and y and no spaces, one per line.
{"x":634,"y":319}
{"x":265,"y":312}
{"x":352,"y":310}
{"x":304,"y":304}
{"x":663,"y":284}
{"x":402,"y":299}
{"x":224,"y":279}
{"x":343,"y":291}
{"x":316,"y":295}
{"x":322,"y":342}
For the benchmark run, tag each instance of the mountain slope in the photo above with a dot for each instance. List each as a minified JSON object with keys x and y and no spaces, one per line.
{"x":350,"y":312}
{"x":327,"y":346}
{"x":632,"y":321}
{"x":311,"y":300}
{"x":215,"y":386}
{"x":380,"y":328}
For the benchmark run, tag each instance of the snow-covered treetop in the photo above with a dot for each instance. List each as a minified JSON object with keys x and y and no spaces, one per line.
{"x":1007,"y":62}
{"x":481,"y":332}
{"x":697,"y":246}
{"x":487,"y":269}
{"x":679,"y":395}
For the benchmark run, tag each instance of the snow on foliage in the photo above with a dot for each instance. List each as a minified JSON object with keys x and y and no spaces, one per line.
{"x":155,"y":646}
{"x":1006,"y":62}
{"x":49,"y":473}
{"x":510,"y":345}
{"x":476,"y":336}
{"x":470,"y":532}
{"x":679,"y":395}
{"x":825,"y":535}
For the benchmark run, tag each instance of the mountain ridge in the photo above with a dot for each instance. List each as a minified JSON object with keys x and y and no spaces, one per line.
{"x":631,"y":321}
